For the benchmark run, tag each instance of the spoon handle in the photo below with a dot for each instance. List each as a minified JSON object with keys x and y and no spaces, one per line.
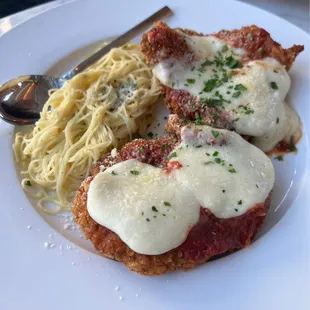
{"x":121,"y":40}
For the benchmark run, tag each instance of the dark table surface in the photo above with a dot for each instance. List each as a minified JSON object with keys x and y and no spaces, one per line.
{"x":8,"y":7}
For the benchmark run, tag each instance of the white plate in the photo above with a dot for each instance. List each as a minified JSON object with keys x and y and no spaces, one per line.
{"x":271,"y":274}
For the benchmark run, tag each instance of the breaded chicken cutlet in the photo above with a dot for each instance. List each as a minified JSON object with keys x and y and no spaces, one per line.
{"x":175,"y":56}
{"x":209,"y":238}
{"x":163,"y":42}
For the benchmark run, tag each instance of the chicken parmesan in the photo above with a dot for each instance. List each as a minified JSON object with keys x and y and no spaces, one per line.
{"x":236,"y":80}
{"x":159,"y":205}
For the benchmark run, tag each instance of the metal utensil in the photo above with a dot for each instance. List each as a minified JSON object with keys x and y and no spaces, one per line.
{"x":22,"y":99}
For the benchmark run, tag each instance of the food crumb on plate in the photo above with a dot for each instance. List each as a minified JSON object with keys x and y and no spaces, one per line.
{"x":49,"y":245}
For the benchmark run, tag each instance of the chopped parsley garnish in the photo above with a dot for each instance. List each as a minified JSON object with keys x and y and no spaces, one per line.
{"x":163,"y":214}
{"x":240,"y":87}
{"x":154,"y":209}
{"x":236,"y":119}
{"x":198,"y":119}
{"x":256,"y":185}
{"x":28,"y":183}
{"x":244,"y":109}
{"x":273,"y":85}
{"x":277,"y":121}
{"x":134,"y":172}
{"x":211,"y":84}
{"x":236,"y":94}
{"x":142,"y":213}
{"x":261,"y":51}
{"x":208,"y":154}
{"x":212,"y":102}
{"x":223,"y":190}
{"x":150,"y":135}
{"x":217,"y":94}
{"x":167,"y":204}
{"x":292,"y":146}
{"x":207,"y":63}
{"x":240,"y":202}
{"x":147,"y":219}
{"x":279,"y":158}
{"x":219,"y":60}
{"x":250,"y":37}
{"x":113,"y":173}
{"x":190,"y":81}
{"x":215,"y":153}
{"x":225,"y":79}
{"x":198,"y":146}
{"x":186,"y":85}
{"x":173,"y":154}
{"x":232,"y":170}
{"x":248,"y":111}
{"x":208,"y":162}
{"x":233,"y":63}
{"x":215,"y":133}
{"x":224,"y":48}
{"x":236,"y":210}
{"x":141,"y":149}
{"x":164,"y":146}
{"x":218,"y":160}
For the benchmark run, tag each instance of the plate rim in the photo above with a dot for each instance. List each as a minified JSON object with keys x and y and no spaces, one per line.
{"x":305,"y":128}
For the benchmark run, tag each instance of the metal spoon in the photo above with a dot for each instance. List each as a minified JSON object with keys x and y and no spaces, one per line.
{"x":22,"y":99}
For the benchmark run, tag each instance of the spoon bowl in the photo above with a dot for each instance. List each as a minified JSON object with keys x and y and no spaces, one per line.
{"x":22,"y":99}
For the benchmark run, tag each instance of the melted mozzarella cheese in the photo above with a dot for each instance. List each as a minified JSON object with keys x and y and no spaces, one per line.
{"x":207,"y":46}
{"x":153,"y":211}
{"x":257,"y":110}
{"x":227,"y":174}
{"x":265,"y":103}
{"x":148,"y":209}
{"x":289,"y":126}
